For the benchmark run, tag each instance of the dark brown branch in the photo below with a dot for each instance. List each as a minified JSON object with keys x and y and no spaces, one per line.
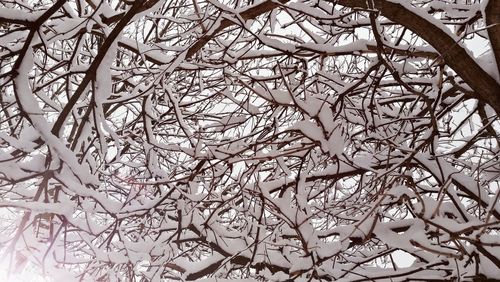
{"x":486,"y":88}
{"x":493,"y":21}
{"x":250,"y":13}
{"x":91,"y":72}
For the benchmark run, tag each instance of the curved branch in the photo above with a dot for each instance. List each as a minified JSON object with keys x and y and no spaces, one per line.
{"x":486,"y":88}
{"x":249,"y":13}
{"x":137,"y":7}
{"x":492,"y":15}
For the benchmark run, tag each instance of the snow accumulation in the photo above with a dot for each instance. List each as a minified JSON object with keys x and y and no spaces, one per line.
{"x":247,"y":141}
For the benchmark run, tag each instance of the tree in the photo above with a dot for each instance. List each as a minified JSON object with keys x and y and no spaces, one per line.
{"x":272,"y":140}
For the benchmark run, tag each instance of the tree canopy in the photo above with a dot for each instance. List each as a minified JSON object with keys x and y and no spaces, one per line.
{"x":270,"y":140}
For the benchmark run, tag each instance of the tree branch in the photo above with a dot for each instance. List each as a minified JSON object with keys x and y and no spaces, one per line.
{"x":486,"y":88}
{"x":492,"y":14}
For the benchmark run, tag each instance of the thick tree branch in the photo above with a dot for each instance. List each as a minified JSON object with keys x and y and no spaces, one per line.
{"x":90,"y":74}
{"x":486,"y":88}
{"x":250,"y":13}
{"x":493,"y":21}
